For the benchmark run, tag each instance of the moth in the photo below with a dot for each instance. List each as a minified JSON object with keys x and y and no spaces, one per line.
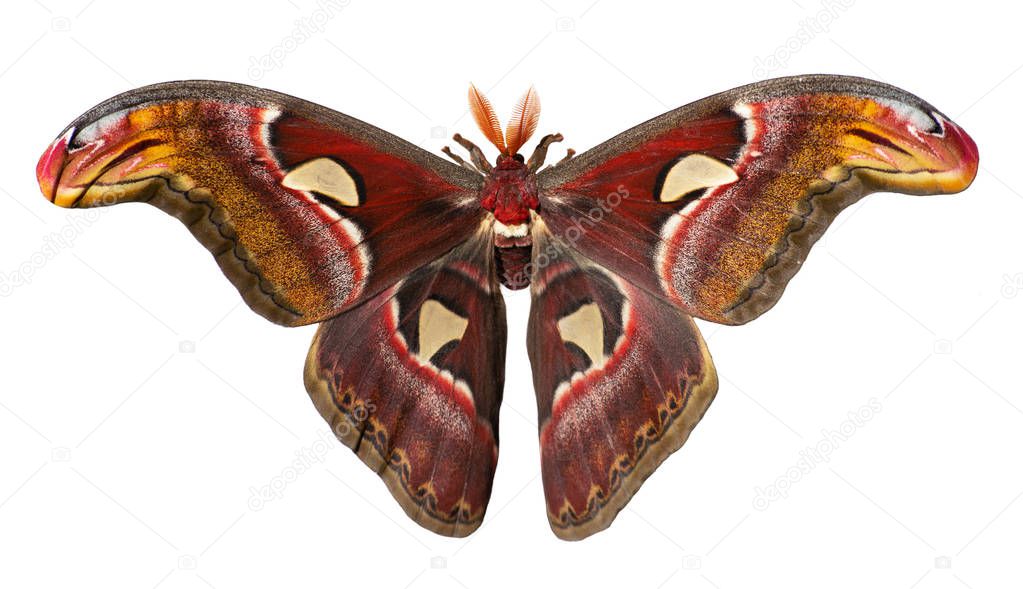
{"x":705,"y":211}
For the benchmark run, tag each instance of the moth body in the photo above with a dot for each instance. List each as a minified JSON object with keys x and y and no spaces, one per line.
{"x":509,"y":188}
{"x":509,"y":193}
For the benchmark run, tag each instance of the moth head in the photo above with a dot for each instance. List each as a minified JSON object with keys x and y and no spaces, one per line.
{"x":509,"y":189}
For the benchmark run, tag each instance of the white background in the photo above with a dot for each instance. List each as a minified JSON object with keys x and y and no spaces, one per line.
{"x":141,"y":402}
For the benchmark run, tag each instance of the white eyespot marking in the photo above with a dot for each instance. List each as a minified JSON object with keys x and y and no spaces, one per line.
{"x":503,"y":230}
{"x":438,"y":325}
{"x":327,"y":177}
{"x":100,"y":127}
{"x":694,"y":172}
{"x":585,"y":328}
{"x":918,"y":119}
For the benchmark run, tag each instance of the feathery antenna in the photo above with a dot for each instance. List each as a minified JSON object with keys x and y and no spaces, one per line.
{"x":525,"y":118}
{"x":486,"y":118}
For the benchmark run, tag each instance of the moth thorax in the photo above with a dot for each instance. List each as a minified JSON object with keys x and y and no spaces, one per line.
{"x":509,"y":192}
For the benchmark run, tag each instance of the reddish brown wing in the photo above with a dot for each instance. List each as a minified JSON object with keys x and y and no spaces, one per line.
{"x":621,"y":378}
{"x":715,"y":205}
{"x":411,"y":380}
{"x":308,"y":212}
{"x":707,"y":210}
